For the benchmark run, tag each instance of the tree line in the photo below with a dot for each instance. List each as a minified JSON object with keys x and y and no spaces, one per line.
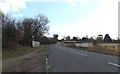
{"x":23,"y":31}
{"x":98,"y":39}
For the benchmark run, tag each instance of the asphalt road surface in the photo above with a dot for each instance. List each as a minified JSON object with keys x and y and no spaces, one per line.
{"x":65,"y":59}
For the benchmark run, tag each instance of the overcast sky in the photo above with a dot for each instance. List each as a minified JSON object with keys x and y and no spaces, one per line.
{"x":70,"y":17}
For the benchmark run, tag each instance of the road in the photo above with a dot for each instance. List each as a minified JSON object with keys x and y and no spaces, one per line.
{"x":58,"y":58}
{"x":65,"y":59}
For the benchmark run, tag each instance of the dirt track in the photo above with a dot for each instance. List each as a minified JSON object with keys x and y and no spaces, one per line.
{"x":31,"y":62}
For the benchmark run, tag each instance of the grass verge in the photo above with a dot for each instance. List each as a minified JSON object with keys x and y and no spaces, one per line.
{"x":15,"y":53}
{"x":97,"y":49}
{"x":42,"y":50}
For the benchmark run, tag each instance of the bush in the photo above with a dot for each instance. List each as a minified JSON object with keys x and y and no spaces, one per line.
{"x":45,"y":40}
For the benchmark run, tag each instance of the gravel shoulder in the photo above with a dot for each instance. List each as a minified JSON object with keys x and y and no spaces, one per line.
{"x":31,"y":62}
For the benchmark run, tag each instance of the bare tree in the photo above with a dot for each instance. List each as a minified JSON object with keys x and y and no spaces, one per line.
{"x":21,"y":31}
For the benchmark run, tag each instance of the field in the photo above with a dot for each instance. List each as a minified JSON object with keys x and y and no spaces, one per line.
{"x":113,"y":46}
{"x":106,"y":48}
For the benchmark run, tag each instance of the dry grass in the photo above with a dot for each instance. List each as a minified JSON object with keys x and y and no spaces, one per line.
{"x":110,"y":45}
{"x":104,"y":50}
{"x":108,"y":48}
{"x":15,"y":53}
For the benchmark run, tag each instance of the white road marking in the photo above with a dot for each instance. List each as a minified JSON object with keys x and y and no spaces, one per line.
{"x":48,"y":67}
{"x":80,"y":53}
{"x":46,"y":61}
{"x":114,"y":64}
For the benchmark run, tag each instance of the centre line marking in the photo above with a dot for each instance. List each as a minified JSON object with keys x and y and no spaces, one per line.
{"x":114,"y":64}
